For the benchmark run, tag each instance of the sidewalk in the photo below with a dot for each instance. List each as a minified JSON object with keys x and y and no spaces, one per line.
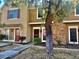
{"x":13,"y":52}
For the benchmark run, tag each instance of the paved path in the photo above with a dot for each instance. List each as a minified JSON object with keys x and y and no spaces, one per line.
{"x":13,"y":52}
{"x":4,"y":44}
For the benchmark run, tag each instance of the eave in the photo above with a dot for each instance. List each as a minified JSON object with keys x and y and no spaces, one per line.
{"x":37,"y":23}
{"x":70,"y":21}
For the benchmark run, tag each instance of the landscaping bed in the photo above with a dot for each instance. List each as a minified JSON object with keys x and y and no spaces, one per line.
{"x":69,"y":46}
{"x":38,"y":52}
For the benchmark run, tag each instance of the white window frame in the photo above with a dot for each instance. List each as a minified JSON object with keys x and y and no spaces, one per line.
{"x":37,"y":14}
{"x":75,"y":12}
{"x":8,"y":29}
{"x":42,"y":35}
{"x":76,"y":27}
{"x":34,"y":29}
{"x":13,"y":18}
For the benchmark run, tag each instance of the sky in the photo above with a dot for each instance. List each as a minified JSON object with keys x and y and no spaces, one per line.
{"x":40,"y":1}
{"x":1,"y":3}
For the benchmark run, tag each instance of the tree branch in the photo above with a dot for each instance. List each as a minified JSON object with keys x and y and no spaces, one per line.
{"x":59,"y":2}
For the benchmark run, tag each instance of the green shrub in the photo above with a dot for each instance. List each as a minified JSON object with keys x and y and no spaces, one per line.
{"x":2,"y":36}
{"x":37,"y":41}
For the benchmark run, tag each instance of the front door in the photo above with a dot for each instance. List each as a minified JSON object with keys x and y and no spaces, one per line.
{"x":73,"y":35}
{"x":36,"y":32}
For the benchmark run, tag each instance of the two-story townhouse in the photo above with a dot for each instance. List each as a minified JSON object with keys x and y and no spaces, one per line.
{"x":28,"y":22}
{"x":15,"y":19}
{"x":67,"y":31}
{"x":72,"y":27}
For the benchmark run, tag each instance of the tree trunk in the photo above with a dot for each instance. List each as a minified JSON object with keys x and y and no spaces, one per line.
{"x":48,"y":27}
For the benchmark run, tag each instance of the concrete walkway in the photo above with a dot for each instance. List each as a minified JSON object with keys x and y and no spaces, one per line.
{"x":2,"y":44}
{"x":13,"y":52}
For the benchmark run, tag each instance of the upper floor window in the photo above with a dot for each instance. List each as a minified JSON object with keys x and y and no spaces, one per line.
{"x":34,"y":3}
{"x":77,"y":10}
{"x":13,"y":13}
{"x":40,"y":13}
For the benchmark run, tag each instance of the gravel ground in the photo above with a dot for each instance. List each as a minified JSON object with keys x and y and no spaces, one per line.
{"x":37,"y":52}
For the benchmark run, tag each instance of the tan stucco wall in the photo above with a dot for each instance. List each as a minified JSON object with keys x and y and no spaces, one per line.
{"x":59,"y":32}
{"x":72,"y":24}
{"x":73,"y":17}
{"x":23,"y":20}
{"x":33,"y":15}
{"x":4,"y":17}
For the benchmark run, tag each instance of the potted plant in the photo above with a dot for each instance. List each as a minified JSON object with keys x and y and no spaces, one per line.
{"x":2,"y":36}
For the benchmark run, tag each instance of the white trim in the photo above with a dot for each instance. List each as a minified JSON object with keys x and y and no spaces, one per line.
{"x":8,"y":30}
{"x":13,"y":8}
{"x":14,"y":34}
{"x":34,"y":29}
{"x":13,"y":19}
{"x":75,"y":12}
{"x":8,"y":33}
{"x":76,"y":33}
{"x":9,"y":40}
{"x":31,"y":8}
{"x":43,"y":11}
{"x":37,"y":15}
{"x":11,"y":27}
{"x":37,"y":23}
{"x":42,"y":35}
{"x":70,"y":21}
{"x":64,"y":21}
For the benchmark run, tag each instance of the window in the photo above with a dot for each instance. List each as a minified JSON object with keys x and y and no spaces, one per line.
{"x":12,"y":14}
{"x":40,"y":13}
{"x":77,"y":10}
{"x":73,"y":34}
